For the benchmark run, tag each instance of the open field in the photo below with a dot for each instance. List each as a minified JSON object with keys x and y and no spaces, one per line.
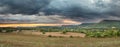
{"x":18,"y":40}
{"x":54,"y":34}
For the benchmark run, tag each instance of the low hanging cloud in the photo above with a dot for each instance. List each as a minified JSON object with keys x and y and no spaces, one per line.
{"x":55,"y":11}
{"x":20,"y":18}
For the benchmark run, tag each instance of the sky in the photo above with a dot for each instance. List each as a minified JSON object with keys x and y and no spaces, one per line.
{"x":58,"y":11}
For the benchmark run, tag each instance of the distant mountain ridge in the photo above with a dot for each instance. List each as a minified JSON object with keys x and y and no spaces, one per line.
{"x":103,"y":24}
{"x":87,"y":24}
{"x":109,"y":21}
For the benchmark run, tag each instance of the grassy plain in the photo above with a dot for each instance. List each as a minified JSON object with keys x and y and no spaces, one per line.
{"x":20,"y":40}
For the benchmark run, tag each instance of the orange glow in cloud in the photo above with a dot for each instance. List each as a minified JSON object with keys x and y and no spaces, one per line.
{"x":64,"y":22}
{"x":27,"y":25}
{"x":67,"y":21}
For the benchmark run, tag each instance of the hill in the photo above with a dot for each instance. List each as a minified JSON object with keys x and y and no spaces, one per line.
{"x":87,"y":24}
{"x":103,"y":24}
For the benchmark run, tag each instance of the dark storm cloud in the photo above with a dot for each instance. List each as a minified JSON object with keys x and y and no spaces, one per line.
{"x":78,"y":10}
{"x":23,"y":6}
{"x":85,"y":10}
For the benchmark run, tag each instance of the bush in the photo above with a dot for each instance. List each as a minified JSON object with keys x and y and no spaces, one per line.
{"x":49,"y":35}
{"x":43,"y":32}
{"x":71,"y":36}
{"x":64,"y":32}
{"x":105,"y":33}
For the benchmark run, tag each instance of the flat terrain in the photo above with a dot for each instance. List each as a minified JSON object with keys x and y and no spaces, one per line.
{"x":19,"y":40}
{"x":55,"y":34}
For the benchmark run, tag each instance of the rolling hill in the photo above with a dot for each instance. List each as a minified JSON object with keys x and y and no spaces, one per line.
{"x":103,"y":24}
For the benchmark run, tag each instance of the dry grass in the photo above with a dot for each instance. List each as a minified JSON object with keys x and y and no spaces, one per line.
{"x":68,"y":34}
{"x":18,"y":40}
{"x":55,"y":34}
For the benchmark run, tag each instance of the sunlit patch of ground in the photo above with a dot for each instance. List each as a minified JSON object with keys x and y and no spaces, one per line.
{"x":57,"y":34}
{"x":54,"y":34}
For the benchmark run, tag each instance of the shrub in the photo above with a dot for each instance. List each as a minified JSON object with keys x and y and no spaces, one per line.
{"x":71,"y":36}
{"x":43,"y":32}
{"x":49,"y":35}
{"x":64,"y":32}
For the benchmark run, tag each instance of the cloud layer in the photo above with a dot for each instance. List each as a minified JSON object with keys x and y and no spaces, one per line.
{"x":54,"y":11}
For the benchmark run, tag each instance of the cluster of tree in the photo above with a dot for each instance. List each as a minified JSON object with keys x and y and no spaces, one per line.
{"x":90,"y":32}
{"x":102,"y":33}
{"x":7,"y":29}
